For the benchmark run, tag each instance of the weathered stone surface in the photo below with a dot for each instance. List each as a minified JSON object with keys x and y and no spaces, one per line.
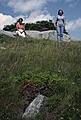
{"x":8,"y":33}
{"x":33,"y":109}
{"x":50,"y":34}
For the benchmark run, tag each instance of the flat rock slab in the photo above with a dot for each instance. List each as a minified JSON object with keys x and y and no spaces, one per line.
{"x":33,"y":109}
{"x":8,"y":33}
{"x":50,"y":34}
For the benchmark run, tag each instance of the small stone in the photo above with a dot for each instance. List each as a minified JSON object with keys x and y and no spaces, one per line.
{"x":2,"y":48}
{"x":33,"y":109}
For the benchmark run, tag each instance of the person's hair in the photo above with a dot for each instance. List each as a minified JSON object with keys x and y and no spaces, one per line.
{"x":60,"y":12}
{"x":20,"y":20}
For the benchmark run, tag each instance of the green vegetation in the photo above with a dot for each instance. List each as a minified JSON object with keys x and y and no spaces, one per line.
{"x":39,"y":25}
{"x":29,"y":66}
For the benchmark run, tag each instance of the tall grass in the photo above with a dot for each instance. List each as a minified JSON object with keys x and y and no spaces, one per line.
{"x":23,"y":55}
{"x":58,"y":63}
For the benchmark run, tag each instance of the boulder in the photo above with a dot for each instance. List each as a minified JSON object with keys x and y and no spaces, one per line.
{"x":8,"y":33}
{"x":50,"y":34}
{"x":34,"y":108}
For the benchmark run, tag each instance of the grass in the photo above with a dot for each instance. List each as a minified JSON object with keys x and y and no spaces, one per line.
{"x":52,"y":65}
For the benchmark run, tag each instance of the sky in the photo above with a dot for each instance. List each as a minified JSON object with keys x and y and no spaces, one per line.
{"x":37,"y":10}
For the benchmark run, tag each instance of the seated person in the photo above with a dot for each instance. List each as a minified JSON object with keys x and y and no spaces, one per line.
{"x":20,"y":28}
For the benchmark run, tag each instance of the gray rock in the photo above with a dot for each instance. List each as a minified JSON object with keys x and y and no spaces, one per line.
{"x":8,"y":33}
{"x":50,"y":34}
{"x":33,"y":109}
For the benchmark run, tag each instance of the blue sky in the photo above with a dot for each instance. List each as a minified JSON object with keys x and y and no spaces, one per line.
{"x":34,"y":10}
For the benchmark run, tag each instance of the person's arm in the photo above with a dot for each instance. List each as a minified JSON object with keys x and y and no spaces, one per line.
{"x":56,"y":22}
{"x":17,"y":26}
{"x":63,"y":21}
{"x":24,"y":26}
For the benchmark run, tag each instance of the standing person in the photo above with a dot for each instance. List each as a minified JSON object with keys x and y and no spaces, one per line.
{"x":60,"y":24}
{"x":20,"y":26}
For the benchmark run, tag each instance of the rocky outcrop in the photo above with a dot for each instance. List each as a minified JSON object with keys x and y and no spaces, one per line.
{"x":8,"y":33}
{"x":51,"y":34}
{"x":42,"y":35}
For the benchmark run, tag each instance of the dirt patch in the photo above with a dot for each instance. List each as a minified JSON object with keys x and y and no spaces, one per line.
{"x":30,"y":90}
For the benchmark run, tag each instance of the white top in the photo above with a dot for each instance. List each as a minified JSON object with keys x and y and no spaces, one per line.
{"x":60,"y":17}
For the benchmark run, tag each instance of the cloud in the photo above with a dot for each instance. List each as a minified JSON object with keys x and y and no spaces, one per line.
{"x":25,"y":6}
{"x":74,"y":25}
{"x":6,"y":20}
{"x":34,"y":16}
{"x":34,"y":10}
{"x":72,"y":3}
